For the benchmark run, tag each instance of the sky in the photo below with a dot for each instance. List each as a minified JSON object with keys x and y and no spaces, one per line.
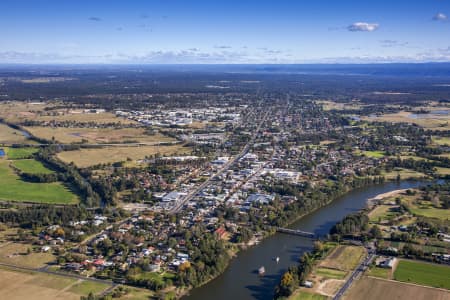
{"x":224,"y":31}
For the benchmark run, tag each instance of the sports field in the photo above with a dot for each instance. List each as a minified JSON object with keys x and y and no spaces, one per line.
{"x":12,"y":188}
{"x":20,"y":153}
{"x":31,"y":166}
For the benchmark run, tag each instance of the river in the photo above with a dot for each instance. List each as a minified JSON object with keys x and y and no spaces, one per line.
{"x":240,"y":281}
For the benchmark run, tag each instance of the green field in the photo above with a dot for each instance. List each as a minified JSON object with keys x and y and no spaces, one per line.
{"x":12,"y":188}
{"x":441,"y":140}
{"x":426,"y":209}
{"x":31,"y":166}
{"x":307,"y":296}
{"x":330,"y":273}
{"x":86,"y":287}
{"x":374,"y":154}
{"x":20,"y":153}
{"x":404,"y":174}
{"x":379,"y":272}
{"x":423,"y":273}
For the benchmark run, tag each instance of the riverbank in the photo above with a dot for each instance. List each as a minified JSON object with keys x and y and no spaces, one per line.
{"x":240,"y":279}
{"x":372,"y":201}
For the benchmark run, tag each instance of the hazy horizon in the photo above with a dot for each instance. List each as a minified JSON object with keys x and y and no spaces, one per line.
{"x":224,"y":32}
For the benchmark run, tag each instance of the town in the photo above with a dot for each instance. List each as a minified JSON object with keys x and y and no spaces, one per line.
{"x":175,"y":192}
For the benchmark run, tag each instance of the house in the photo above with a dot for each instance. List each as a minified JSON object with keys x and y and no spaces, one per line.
{"x":173,"y":197}
{"x":220,"y":232}
{"x":387,"y":263}
{"x":308,"y":284}
{"x":259,"y":198}
{"x":182,"y":256}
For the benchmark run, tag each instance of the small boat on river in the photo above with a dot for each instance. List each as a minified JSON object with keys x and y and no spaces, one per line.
{"x":261,"y":271}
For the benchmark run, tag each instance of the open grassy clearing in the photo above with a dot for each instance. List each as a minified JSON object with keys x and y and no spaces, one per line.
{"x":17,"y":111}
{"x":442,"y":171}
{"x":423,"y":273}
{"x":136,"y":294}
{"x":88,"y":157}
{"x":379,"y":272}
{"x":404,"y":174}
{"x":97,"y":135}
{"x":330,"y":273}
{"x":382,"y":212}
{"x":20,"y":153}
{"x":78,"y":116}
{"x":86,"y":287}
{"x":31,"y":166}
{"x":13,"y":188}
{"x":414,"y":157}
{"x":16,"y":253}
{"x":344,"y":258}
{"x":10,"y":135}
{"x":37,"y":286}
{"x":441,"y":140}
{"x":368,"y":288}
{"x":331,"y":105}
{"x":434,"y":122}
{"x":426,"y":209}
{"x":302,"y":295}
{"x":374,"y":154}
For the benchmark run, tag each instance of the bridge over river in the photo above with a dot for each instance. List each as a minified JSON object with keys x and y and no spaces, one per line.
{"x":296,"y":232}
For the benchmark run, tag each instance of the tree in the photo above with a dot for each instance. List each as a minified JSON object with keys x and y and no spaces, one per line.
{"x":375,"y":232}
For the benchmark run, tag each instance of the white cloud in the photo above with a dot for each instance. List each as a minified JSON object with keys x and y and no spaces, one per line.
{"x":363,"y":26}
{"x":440,"y":17}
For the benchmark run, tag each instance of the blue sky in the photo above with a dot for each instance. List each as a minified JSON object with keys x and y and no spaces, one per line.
{"x":219,"y":31}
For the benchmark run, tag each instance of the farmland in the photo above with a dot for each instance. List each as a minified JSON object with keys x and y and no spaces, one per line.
{"x":343,"y":258}
{"x":384,"y":273}
{"x":16,"y":112}
{"x":369,"y":288}
{"x":423,"y":273}
{"x":16,"y":253}
{"x":12,"y":188}
{"x":431,"y":121}
{"x":97,"y":135}
{"x":330,"y":273}
{"x":9,"y":135}
{"x":21,"y":285}
{"x":301,"y":295}
{"x":89,"y":157}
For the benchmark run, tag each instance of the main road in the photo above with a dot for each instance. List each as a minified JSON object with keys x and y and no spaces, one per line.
{"x":356,"y":273}
{"x":179,"y":205}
